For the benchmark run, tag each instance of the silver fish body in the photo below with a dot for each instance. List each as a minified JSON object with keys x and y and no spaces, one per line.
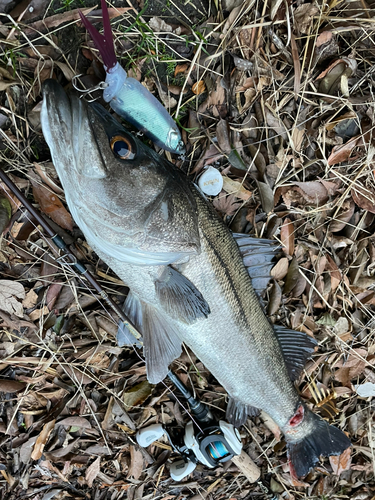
{"x":185,"y":271}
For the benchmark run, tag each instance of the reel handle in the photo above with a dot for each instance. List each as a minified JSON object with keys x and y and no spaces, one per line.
{"x":148,"y":435}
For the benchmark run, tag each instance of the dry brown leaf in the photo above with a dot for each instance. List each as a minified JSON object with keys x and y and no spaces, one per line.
{"x":180,"y":68}
{"x":280,"y":270}
{"x":236,"y":188}
{"x":92,"y":471}
{"x":198,"y":87}
{"x":226,"y":205}
{"x":364,"y":197}
{"x":51,"y":205}
{"x":287,"y":236}
{"x":334,"y":272}
{"x":275,"y":299}
{"x":292,"y":276}
{"x":137,"y":394}
{"x":10,"y":291}
{"x":136,"y":463}
{"x":75,"y":422}
{"x":343,"y":152}
{"x":275,"y":123}
{"x":42,"y":440}
{"x":11,"y":385}
{"x":30,"y":299}
{"x":342,"y":462}
{"x":343,"y":217}
{"x":303,"y":16}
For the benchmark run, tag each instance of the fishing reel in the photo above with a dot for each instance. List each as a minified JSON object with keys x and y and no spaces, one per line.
{"x":210,"y":446}
{"x":203,"y":440}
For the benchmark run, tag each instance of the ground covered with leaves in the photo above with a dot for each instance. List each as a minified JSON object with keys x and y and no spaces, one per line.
{"x":279,"y":97}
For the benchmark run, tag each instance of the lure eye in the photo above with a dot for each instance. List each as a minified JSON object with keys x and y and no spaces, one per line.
{"x":122,"y":147}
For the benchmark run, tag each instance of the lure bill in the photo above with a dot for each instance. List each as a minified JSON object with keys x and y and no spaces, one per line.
{"x":129,"y":98}
{"x":191,"y":280}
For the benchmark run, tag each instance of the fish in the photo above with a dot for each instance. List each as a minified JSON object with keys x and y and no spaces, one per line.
{"x":188,"y":274}
{"x":129,"y":98}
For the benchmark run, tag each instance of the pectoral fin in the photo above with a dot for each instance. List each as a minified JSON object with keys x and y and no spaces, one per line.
{"x":180,"y":298}
{"x":133,"y":310}
{"x":297,"y":347}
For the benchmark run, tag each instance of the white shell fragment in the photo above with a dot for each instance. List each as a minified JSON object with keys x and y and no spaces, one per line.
{"x":211,"y":181}
{"x":365,"y":390}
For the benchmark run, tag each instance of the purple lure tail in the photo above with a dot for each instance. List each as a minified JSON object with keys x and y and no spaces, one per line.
{"x":104,"y":43}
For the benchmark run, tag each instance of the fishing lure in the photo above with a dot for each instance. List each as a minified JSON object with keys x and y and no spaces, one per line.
{"x":129,"y":98}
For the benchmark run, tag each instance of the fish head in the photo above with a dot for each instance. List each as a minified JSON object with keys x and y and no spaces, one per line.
{"x":115,"y":186}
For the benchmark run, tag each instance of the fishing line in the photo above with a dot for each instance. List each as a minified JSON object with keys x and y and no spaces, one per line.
{"x":75,"y":263}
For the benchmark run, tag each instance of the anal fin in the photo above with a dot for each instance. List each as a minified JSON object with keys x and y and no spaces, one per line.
{"x":179,"y":297}
{"x":297,"y":348}
{"x":237,"y":412}
{"x":161,"y":344}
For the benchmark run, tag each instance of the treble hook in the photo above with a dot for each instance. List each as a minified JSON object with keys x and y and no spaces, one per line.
{"x":87,"y":92}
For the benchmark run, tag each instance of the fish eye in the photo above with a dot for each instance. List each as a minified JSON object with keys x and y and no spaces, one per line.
{"x":123,"y":147}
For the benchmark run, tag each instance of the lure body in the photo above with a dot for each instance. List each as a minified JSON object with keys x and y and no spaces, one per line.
{"x":129,"y":98}
{"x":133,"y":102}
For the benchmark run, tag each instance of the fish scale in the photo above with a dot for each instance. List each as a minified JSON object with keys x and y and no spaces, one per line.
{"x":184,"y":268}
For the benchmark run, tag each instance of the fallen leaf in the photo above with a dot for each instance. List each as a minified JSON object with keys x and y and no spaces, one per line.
{"x":303,"y":16}
{"x":42,"y":440}
{"x":92,"y":471}
{"x":342,"y":462}
{"x":26,"y":449}
{"x":266,"y":196}
{"x":137,"y":394}
{"x":287,"y":236}
{"x":275,"y":299}
{"x":343,"y":152}
{"x":9,"y":386}
{"x":75,"y":422}
{"x":198,"y":87}
{"x":30,"y":299}
{"x":226,"y":205}
{"x":51,"y":205}
{"x":5,"y":213}
{"x":343,"y":217}
{"x":234,"y":187}
{"x":9,"y":292}
{"x":279,"y":271}
{"x":364,"y":197}
{"x":180,"y":68}
{"x":136,"y":463}
{"x":334,"y":272}
{"x":292,"y":276}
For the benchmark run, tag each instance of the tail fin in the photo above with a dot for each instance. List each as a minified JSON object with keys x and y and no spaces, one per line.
{"x":322,"y":440}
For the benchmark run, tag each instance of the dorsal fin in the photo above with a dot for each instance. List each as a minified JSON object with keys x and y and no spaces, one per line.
{"x":257,"y":255}
{"x":297,"y":347}
{"x":161,"y":345}
{"x":179,"y":297}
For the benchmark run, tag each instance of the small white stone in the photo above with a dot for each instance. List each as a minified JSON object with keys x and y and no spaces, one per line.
{"x":211,"y":181}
